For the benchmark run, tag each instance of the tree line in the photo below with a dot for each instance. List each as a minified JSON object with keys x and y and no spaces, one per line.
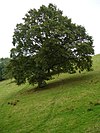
{"x":4,"y":68}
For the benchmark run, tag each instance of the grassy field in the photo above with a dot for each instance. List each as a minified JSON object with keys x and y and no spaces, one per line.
{"x":69,"y":104}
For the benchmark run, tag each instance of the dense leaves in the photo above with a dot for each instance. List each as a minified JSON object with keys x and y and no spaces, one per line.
{"x":47,"y":43}
{"x":3,"y":68}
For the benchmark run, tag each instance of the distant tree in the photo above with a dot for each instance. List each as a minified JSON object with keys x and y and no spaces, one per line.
{"x":1,"y":71}
{"x":47,"y":43}
{"x":3,"y":68}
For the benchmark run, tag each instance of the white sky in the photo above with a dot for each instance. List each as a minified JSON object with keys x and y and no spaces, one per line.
{"x":82,"y":12}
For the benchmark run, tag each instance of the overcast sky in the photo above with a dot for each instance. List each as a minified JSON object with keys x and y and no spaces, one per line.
{"x":82,"y":12}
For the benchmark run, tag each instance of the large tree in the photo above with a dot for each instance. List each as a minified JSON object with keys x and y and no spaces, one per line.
{"x":47,"y":43}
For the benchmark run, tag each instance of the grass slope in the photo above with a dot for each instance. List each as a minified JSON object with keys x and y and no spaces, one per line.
{"x":69,"y":104}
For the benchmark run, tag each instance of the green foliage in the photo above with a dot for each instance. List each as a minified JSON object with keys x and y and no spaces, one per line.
{"x":3,"y":68}
{"x":47,"y":43}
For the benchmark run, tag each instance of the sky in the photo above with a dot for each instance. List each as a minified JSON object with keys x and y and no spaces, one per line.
{"x":82,"y":12}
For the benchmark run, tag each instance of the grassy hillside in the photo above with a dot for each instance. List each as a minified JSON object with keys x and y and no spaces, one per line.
{"x":69,"y":104}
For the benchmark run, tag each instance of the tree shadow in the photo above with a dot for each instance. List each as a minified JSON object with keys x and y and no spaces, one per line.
{"x":76,"y":79}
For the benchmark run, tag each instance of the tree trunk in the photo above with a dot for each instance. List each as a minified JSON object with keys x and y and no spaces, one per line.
{"x":41,"y":84}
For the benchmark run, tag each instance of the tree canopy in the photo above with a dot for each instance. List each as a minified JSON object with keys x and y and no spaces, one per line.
{"x":46,"y":43}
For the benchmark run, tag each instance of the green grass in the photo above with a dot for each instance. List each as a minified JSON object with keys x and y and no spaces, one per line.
{"x":69,"y":104}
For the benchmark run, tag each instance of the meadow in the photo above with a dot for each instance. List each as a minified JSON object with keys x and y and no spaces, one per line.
{"x":70,"y":103}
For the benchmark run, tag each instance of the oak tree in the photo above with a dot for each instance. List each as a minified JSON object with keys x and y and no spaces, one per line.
{"x":47,"y":43}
